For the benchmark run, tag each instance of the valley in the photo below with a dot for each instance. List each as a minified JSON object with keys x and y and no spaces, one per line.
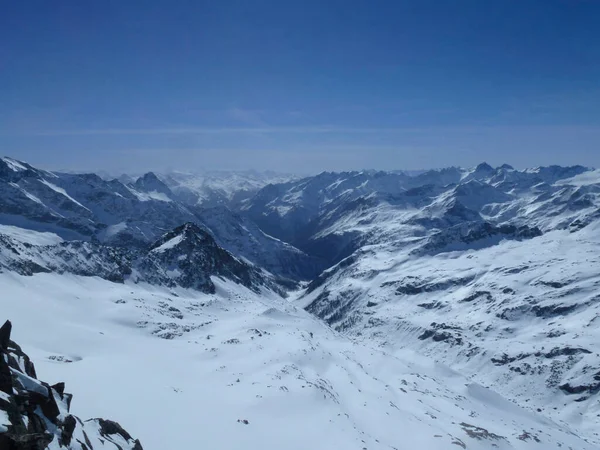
{"x":392,"y":310}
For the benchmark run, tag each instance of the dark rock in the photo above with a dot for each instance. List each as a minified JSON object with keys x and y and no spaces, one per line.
{"x":551,"y":311}
{"x":197,"y":256}
{"x":564,"y":351}
{"x":442,"y":336}
{"x":474,"y":234}
{"x":5,"y":334}
{"x":432,"y":305}
{"x":409,"y":287}
{"x":69,"y":425}
{"x":505,"y":359}
{"x":570,"y":389}
{"x":60,"y":388}
{"x":108,"y":427}
{"x":427,"y":334}
{"x":5,"y":375}
{"x":31,"y":441}
{"x":553,"y":284}
{"x":476,"y":295}
{"x":479,"y":433}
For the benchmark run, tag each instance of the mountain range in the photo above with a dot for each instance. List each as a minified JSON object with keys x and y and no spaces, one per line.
{"x":461,"y":303}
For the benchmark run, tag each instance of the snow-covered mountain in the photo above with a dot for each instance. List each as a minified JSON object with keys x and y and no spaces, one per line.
{"x":336,"y":213}
{"x":484,"y":272}
{"x":187,"y":256}
{"x":492,"y":274}
{"x":85,"y":207}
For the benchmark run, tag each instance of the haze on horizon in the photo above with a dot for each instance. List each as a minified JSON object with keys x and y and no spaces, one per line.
{"x":299,"y":86}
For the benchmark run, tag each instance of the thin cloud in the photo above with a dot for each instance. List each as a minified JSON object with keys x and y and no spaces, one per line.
{"x":294,"y":130}
{"x":200,"y":131}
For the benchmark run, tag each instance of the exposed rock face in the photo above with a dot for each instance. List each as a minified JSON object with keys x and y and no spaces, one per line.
{"x":474,"y":235}
{"x":189,"y":256}
{"x":35,"y":415}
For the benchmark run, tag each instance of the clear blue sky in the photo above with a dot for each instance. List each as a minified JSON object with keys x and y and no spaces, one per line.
{"x":299,"y":85}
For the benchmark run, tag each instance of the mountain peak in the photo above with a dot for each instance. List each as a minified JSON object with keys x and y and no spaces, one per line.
{"x":150,"y":182}
{"x":149,"y":176}
{"x":12,"y":169}
{"x":192,"y":229}
{"x":192,"y":256}
{"x":188,"y":232}
{"x":484,"y":167}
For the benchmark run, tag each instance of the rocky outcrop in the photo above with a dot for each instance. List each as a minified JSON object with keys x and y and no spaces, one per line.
{"x":474,"y":235}
{"x":36,"y":416}
{"x":188,"y":256}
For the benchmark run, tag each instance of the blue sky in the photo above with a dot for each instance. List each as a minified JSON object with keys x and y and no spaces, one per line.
{"x":299,"y":85}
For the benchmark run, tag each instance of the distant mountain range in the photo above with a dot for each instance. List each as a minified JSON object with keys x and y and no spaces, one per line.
{"x":491,"y":271}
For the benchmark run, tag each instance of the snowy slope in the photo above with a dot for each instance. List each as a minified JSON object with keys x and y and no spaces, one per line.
{"x":250,"y":371}
{"x":520,"y":315}
{"x":479,"y":268}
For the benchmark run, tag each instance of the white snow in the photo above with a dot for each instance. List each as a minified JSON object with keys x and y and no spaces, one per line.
{"x":30,"y":236}
{"x":62,"y":192}
{"x":586,"y":178}
{"x":222,"y":184}
{"x":232,"y":358}
{"x":523,"y":279}
{"x":147,"y":196}
{"x":27,"y":194}
{"x":4,"y":421}
{"x":14,"y":164}
{"x":237,"y":355}
{"x":112,"y":230}
{"x":169,"y":244}
{"x":155,"y":195}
